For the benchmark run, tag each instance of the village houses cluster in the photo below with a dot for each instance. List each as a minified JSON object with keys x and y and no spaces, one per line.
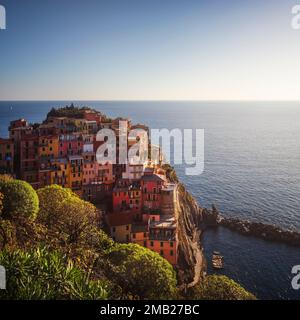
{"x":139,"y":200}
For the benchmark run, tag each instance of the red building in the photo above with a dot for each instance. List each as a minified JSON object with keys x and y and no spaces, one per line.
{"x":127,"y":197}
{"x":70,"y":144}
{"x":92,"y":116}
{"x":151,"y":185}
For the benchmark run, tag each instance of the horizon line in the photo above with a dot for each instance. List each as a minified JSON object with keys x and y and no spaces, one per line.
{"x":149,"y":100}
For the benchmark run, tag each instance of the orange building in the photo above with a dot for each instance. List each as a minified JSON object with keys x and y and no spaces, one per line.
{"x":48,"y":147}
{"x":163,"y":239}
{"x":140,"y":234}
{"x":60,"y":172}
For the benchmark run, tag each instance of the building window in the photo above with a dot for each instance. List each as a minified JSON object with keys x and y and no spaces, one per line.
{"x":171,"y":244}
{"x":145,"y":243}
{"x":133,"y":236}
{"x":161,"y":244}
{"x":145,"y":235}
{"x":114,"y":229}
{"x":161,"y":252}
{"x":127,"y":228}
{"x":171,"y":253}
{"x":151,"y":244}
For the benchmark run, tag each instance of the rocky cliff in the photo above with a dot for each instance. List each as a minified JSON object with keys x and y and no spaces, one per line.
{"x":191,"y":221}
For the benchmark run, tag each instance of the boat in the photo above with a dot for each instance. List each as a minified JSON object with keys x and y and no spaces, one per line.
{"x":217,"y":260}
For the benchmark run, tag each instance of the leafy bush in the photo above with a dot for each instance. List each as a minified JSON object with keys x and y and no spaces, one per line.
{"x":215,"y":287}
{"x":65,"y":213}
{"x":51,"y":199}
{"x":39,"y":274}
{"x":141,"y":272}
{"x":69,"y":111}
{"x":20,"y":199}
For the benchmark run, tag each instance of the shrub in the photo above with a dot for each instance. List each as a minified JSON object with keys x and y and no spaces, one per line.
{"x":40,"y":274}
{"x":20,"y":199}
{"x":141,"y":272}
{"x":51,"y":199}
{"x":64,"y":213}
{"x":215,"y":287}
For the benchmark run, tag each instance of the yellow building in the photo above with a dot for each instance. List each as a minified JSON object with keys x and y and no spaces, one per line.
{"x":120,"y":225}
{"x":60,"y":172}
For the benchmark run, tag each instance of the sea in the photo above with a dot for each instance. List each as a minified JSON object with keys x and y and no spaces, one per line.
{"x":251,"y":171}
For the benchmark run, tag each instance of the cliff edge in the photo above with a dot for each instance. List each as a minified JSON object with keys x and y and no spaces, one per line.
{"x":191,"y":220}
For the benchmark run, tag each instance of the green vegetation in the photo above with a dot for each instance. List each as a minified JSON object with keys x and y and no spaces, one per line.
{"x":53,"y":248}
{"x":74,"y":112}
{"x":69,"y":111}
{"x":39,"y":274}
{"x":141,"y":272}
{"x":215,"y":287}
{"x":63,"y":212}
{"x":20,"y":199}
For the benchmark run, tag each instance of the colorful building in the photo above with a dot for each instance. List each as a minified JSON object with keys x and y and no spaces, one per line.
{"x":29,"y":159}
{"x":137,"y":199}
{"x":6,"y":156}
{"x":60,"y":172}
{"x":70,"y":144}
{"x":76,"y":173}
{"x":120,"y":225}
{"x":151,"y":184}
{"x":163,"y":238}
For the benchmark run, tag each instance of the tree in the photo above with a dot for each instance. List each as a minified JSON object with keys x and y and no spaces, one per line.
{"x":20,"y":199}
{"x":215,"y":287}
{"x":39,"y":274}
{"x":77,"y":218}
{"x":51,"y":199}
{"x":141,"y":272}
{"x":65,"y":213}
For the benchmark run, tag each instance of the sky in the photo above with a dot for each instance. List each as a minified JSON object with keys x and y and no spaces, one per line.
{"x":149,"y":50}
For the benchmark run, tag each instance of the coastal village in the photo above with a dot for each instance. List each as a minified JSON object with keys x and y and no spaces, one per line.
{"x":137,"y":200}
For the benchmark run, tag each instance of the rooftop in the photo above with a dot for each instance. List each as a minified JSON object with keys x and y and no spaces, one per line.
{"x":165,"y":223}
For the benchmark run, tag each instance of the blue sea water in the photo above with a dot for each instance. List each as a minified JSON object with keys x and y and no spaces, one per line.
{"x":252,"y":171}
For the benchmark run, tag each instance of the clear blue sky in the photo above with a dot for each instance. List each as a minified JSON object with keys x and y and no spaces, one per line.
{"x":149,"y":49}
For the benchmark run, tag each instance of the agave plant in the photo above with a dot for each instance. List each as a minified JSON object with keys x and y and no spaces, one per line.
{"x":40,"y":274}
